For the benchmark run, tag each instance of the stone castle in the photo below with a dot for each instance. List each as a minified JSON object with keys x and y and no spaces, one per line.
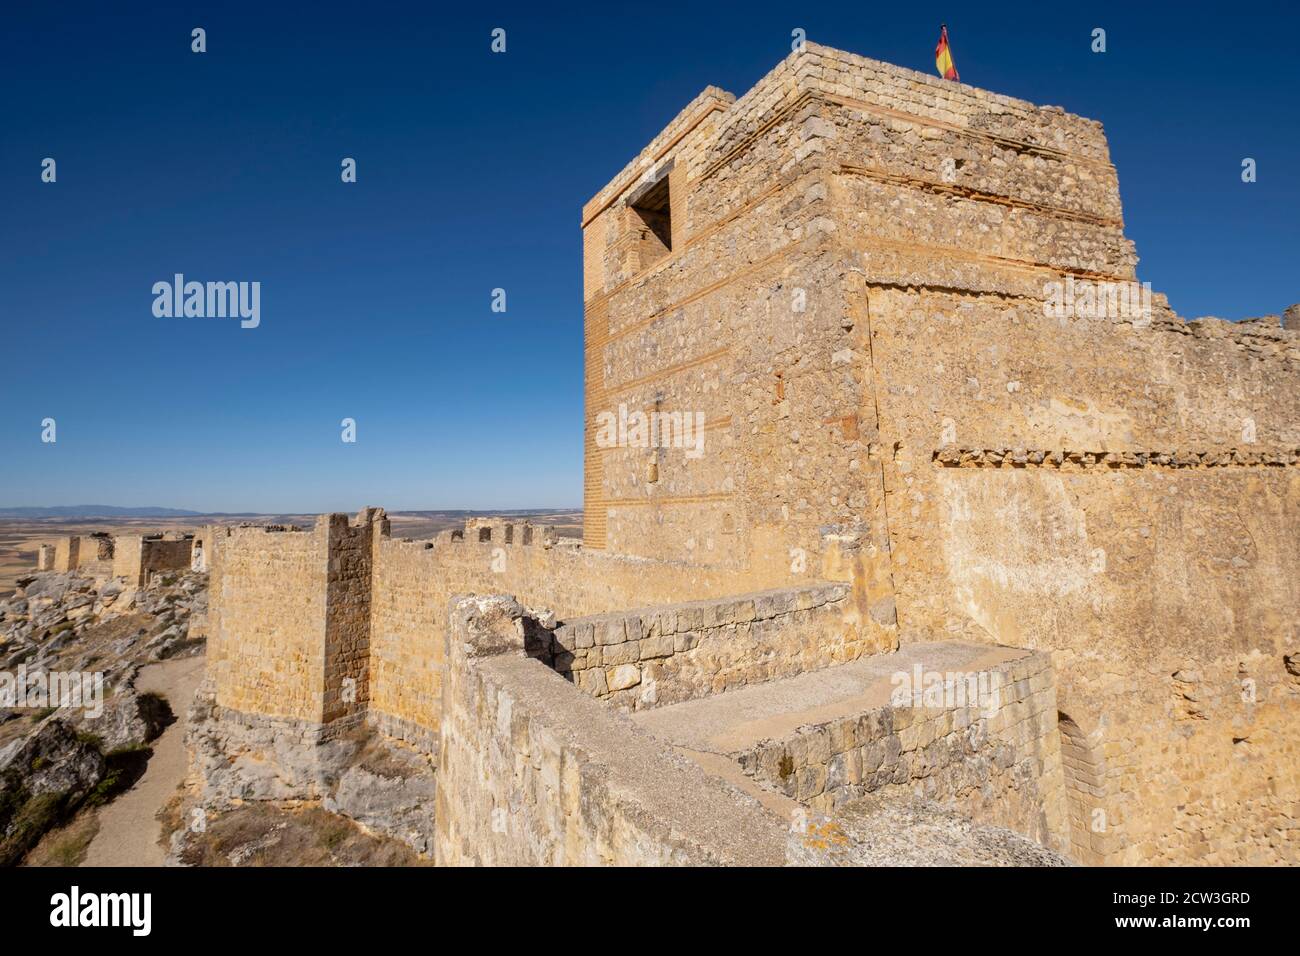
{"x":134,"y":558}
{"x":932,"y":449}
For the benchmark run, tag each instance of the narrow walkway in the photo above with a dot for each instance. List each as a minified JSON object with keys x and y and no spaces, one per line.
{"x":128,"y":827}
{"x":737,"y":719}
{"x":713,"y":730}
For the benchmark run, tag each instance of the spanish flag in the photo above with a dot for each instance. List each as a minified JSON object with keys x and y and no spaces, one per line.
{"x":943,"y":57}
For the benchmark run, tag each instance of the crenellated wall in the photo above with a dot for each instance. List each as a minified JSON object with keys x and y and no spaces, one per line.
{"x":130,"y":557}
{"x":343,"y":621}
{"x":1115,"y":485}
{"x":414,"y":580}
{"x":889,"y":306}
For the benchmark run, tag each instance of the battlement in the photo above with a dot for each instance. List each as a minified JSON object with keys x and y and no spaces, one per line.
{"x":932,"y":405}
{"x":134,"y":558}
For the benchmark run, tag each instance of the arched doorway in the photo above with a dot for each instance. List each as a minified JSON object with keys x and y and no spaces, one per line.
{"x":1084,"y":792}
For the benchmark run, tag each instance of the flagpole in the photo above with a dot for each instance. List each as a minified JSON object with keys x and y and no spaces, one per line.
{"x":943,"y":30}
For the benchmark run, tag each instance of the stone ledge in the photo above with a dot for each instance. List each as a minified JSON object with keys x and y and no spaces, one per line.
{"x":952,"y":456}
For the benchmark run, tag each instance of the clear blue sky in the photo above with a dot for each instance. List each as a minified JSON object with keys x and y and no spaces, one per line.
{"x":472,"y":168}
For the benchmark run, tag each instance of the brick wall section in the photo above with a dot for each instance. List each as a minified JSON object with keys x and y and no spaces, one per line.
{"x":664,"y":655}
{"x":533,"y":772}
{"x":998,"y":765}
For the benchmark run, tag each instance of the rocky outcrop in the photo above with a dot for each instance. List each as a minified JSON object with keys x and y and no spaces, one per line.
{"x":131,"y":720}
{"x":73,"y":726}
{"x":48,"y":621}
{"x":382,"y":784}
{"x":397,"y":801}
{"x":43,"y":778}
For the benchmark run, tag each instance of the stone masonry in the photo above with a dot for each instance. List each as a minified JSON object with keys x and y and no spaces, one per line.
{"x":872,"y":341}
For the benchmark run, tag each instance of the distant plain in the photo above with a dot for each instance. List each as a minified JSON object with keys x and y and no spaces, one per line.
{"x":21,"y":536}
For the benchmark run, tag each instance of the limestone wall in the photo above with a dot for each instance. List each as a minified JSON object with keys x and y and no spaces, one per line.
{"x":679,"y":652}
{"x":348,"y":588}
{"x":740,"y":326}
{"x":1135,"y":514}
{"x":136,"y":557}
{"x":67,"y":553}
{"x":534,"y":772}
{"x":997,"y":760}
{"x":128,"y":558}
{"x":266,"y":618}
{"x":414,"y":580}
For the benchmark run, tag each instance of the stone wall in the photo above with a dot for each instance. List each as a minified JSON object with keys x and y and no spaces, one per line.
{"x":92,"y":554}
{"x":534,"y":772}
{"x":136,"y":557}
{"x":1116,"y":487}
{"x":995,"y":756}
{"x":679,"y":652}
{"x":266,"y":618}
{"x":67,"y":553}
{"x":414,"y":580}
{"x":740,"y":327}
{"x":348,"y":588}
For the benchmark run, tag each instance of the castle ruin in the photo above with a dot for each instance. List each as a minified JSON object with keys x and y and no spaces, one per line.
{"x":134,"y":558}
{"x":935,"y":428}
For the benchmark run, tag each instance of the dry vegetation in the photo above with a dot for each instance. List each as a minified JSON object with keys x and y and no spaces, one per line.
{"x":268,"y":834}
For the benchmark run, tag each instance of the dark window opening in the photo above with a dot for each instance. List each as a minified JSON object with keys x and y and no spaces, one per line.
{"x":653,"y":220}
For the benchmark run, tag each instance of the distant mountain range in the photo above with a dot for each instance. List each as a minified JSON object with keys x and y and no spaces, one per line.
{"x":95,"y":511}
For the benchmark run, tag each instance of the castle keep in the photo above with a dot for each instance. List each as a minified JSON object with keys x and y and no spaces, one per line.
{"x":940,"y":434}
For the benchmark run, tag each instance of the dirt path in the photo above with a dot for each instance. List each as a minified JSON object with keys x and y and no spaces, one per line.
{"x":128,"y":831}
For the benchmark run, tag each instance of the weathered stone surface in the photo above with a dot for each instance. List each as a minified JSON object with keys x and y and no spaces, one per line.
{"x":905,"y":832}
{"x":399,"y":803}
{"x":43,"y":777}
{"x":129,"y":720}
{"x":851,"y":275}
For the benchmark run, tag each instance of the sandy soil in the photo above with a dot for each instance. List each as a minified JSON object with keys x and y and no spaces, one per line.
{"x":128,"y":827}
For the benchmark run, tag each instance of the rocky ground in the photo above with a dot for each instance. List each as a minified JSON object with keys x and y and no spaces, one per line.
{"x":281,"y":834}
{"x":877,"y":831}
{"x":58,"y":761}
{"x":377,"y":787}
{"x":72,"y":782}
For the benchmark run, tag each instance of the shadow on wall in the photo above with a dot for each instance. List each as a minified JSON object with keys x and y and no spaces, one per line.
{"x":1084,"y":793}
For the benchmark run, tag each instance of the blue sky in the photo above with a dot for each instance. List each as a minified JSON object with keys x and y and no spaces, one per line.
{"x":472,"y":169}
